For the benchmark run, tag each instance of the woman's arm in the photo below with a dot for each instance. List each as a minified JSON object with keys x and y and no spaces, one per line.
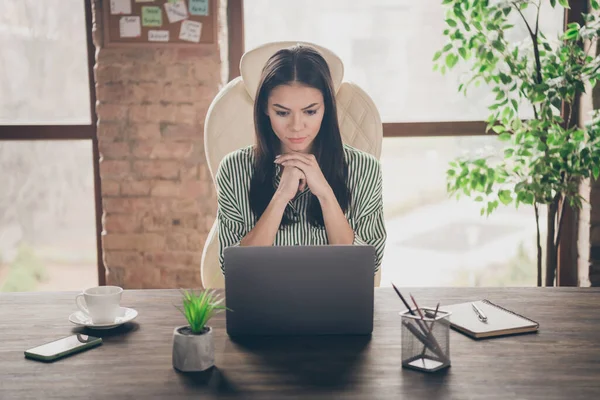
{"x":336,"y":225}
{"x":265,"y":230}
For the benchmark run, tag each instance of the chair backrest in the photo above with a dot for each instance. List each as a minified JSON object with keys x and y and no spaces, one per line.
{"x":229,"y":126}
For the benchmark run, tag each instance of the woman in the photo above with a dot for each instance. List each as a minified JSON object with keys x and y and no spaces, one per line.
{"x":299,"y":185}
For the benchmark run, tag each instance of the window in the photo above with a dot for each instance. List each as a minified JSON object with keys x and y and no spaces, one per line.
{"x":42,"y":81}
{"x":387,"y":48}
{"x":435,"y":240}
{"x":48,"y":219}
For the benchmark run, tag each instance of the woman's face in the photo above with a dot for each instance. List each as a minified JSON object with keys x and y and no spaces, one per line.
{"x":296,"y":112}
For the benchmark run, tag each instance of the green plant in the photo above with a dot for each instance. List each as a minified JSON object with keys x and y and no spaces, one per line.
{"x":199,"y":308}
{"x":25,"y":271}
{"x":548,"y":155}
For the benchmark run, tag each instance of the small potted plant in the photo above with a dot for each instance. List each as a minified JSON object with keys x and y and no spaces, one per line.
{"x":193,"y":347}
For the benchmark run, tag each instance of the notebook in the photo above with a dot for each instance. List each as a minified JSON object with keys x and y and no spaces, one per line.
{"x":500,"y":321}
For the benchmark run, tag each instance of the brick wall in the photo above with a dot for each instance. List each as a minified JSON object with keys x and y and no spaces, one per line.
{"x":589,"y":217}
{"x":157,"y":195}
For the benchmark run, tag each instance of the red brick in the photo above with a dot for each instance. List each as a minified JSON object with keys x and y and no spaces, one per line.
{"x":189,"y":173}
{"x":166,"y":189}
{"x":196,"y":241}
{"x":193,"y":189}
{"x":114,"y":150}
{"x":111,"y":130}
{"x":146,"y":92}
{"x":114,"y":92}
{"x":111,"y":112}
{"x":163,"y":150}
{"x":204,"y":172}
{"x":185,"y":205}
{"x":162,"y":113}
{"x":147,"y":277}
{"x":106,"y":73}
{"x":186,"y":279}
{"x":177,"y":241}
{"x":144,"y":131}
{"x":188,"y":114}
{"x":208,"y":223}
{"x":173,"y":259}
{"x":156,"y":222}
{"x":109,"y":188}
{"x":121,"y":223}
{"x":134,"y":241}
{"x":157,"y":169}
{"x":201,"y":110}
{"x":208,"y":71}
{"x":127,"y":259}
{"x":114,"y":168}
{"x":180,"y":131}
{"x":128,"y":205}
{"x":196,"y":53}
{"x":184,"y":221}
{"x":116,"y":276}
{"x":186,"y":92}
{"x":178,"y":72}
{"x":135,"y":188}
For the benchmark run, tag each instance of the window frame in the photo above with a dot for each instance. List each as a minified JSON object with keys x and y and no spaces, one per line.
{"x":73,"y":132}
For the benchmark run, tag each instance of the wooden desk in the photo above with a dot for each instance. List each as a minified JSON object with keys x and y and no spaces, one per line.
{"x":562,"y":361}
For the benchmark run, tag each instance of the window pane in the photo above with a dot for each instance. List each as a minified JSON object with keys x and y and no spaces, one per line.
{"x":44,"y":79}
{"x":434,"y":240}
{"x":387,"y":48}
{"x":47,"y":216}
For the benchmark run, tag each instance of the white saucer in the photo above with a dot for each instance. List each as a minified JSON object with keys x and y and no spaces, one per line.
{"x":123,"y":315}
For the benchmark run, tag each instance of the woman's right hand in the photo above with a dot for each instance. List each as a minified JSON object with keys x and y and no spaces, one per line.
{"x":292,"y":181}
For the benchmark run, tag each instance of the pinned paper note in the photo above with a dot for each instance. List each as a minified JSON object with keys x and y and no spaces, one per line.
{"x":176,"y":11}
{"x":120,"y":6}
{"x":199,"y":7}
{"x":144,"y":1}
{"x":151,"y":16}
{"x":130,"y":27}
{"x":190,"y":31}
{"x":158,"y":36}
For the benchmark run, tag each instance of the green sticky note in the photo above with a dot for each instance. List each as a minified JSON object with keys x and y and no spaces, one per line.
{"x":199,"y":7}
{"x":151,"y":16}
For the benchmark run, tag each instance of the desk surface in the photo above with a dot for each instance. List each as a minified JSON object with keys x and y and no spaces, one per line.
{"x":561,"y":361}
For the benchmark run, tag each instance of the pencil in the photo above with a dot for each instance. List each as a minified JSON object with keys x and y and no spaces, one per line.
{"x":404,"y":301}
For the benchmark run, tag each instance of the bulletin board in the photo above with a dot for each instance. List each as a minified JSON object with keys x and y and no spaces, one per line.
{"x":171,"y":23}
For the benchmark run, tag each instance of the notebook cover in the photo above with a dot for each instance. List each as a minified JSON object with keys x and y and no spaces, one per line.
{"x":500,"y":321}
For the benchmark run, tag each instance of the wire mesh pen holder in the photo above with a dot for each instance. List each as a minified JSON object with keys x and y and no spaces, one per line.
{"x":425,"y":342}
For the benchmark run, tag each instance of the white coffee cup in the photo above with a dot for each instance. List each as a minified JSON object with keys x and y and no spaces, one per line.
{"x":100,"y":303}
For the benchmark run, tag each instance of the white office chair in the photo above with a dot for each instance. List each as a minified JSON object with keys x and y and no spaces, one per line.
{"x":229,"y":126}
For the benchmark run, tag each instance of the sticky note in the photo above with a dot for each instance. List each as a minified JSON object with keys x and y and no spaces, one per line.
{"x":151,"y":16}
{"x":190,"y":31}
{"x":199,"y":7}
{"x":158,"y":36}
{"x":176,"y":11}
{"x":130,"y":27}
{"x":120,"y":7}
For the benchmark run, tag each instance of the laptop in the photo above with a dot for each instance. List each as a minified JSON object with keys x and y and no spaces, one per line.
{"x":299,"y":290}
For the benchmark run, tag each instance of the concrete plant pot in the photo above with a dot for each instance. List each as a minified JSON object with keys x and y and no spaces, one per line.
{"x":193,"y":352}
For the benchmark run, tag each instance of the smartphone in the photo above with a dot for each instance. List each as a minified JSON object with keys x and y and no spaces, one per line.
{"x":63,"y":347}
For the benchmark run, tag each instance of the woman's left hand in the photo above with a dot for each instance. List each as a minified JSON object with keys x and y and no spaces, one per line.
{"x":308,"y":164}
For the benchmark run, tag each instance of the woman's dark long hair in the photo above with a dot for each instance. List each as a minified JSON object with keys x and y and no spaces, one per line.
{"x":306,"y":66}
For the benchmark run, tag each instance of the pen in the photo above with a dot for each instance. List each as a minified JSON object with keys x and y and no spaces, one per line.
{"x":479,"y":313}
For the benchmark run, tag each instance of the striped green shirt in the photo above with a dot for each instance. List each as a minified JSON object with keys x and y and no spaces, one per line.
{"x":364,"y":214}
